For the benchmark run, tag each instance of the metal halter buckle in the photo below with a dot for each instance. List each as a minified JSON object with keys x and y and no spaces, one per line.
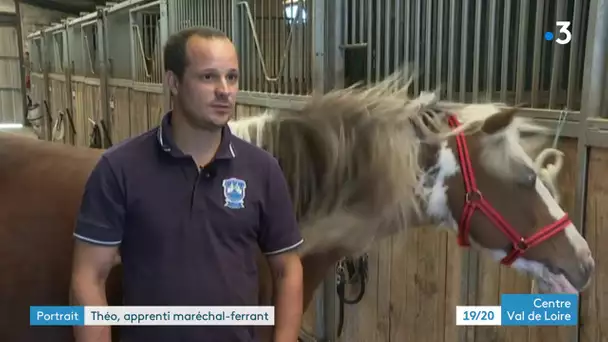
{"x":478,"y":198}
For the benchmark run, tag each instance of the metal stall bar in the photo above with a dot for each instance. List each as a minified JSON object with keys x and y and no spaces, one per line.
{"x":47,"y":105}
{"x":275,"y":44}
{"x":77,"y":42}
{"x":103,"y":79}
{"x":79,"y":55}
{"x":141,"y":71}
{"x":46,"y":97}
{"x":118,"y":57}
{"x":36,"y":121}
{"x":164,"y":35}
{"x":575,"y":54}
{"x":55,"y":53}
{"x":21,"y":62}
{"x":89,"y":67}
{"x":329,"y":58}
{"x":67,"y":71}
{"x":11,"y":55}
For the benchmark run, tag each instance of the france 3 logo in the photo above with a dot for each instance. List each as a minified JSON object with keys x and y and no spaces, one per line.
{"x":564,"y":35}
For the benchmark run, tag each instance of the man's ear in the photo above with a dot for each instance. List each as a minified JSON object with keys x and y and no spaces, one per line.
{"x":500,"y":120}
{"x":172,"y":82}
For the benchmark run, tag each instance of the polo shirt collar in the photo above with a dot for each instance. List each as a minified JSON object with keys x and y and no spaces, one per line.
{"x":167,"y":143}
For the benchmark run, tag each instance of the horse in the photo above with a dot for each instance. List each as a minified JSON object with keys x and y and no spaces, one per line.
{"x":362,"y":163}
{"x":365,"y":163}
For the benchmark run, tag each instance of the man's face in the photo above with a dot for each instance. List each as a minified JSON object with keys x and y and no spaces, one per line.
{"x":207,"y":91}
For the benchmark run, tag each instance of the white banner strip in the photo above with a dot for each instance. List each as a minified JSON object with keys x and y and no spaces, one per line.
{"x":178,"y":315}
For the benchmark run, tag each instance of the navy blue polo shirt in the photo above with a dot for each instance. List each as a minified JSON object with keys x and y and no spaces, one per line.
{"x":188,"y":235}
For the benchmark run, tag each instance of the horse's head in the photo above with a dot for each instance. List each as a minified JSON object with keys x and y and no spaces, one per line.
{"x":499,"y":198}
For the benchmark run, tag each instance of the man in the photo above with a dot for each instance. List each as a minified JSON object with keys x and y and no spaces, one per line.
{"x":186,"y":203}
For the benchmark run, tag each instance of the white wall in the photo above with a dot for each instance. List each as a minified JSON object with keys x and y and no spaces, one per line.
{"x":32,"y":17}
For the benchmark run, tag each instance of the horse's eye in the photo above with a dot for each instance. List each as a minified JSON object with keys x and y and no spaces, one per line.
{"x":529,"y":179}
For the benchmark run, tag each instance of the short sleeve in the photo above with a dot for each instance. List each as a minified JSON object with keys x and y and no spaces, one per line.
{"x":279,"y":227}
{"x":102,"y":211}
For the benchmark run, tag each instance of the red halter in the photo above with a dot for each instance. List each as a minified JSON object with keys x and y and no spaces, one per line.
{"x":475,"y":200}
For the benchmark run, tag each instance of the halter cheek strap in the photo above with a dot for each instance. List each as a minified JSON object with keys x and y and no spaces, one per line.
{"x":474,"y":200}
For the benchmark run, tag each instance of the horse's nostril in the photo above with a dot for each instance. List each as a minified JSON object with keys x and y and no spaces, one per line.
{"x":555,"y":269}
{"x":587,"y":269}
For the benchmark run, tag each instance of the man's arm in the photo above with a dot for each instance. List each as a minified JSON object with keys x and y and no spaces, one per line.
{"x":98,"y":234}
{"x":287,"y":276}
{"x":279,"y":238}
{"x":92,"y":265}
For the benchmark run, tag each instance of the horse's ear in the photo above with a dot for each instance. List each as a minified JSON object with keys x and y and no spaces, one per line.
{"x":500,"y":120}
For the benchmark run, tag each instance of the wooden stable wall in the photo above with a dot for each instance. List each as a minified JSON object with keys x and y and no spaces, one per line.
{"x":86,"y":102}
{"x":37,"y":88}
{"x":594,"y":312}
{"x":59,"y":101}
{"x":132,"y":111}
{"x":415,"y":280}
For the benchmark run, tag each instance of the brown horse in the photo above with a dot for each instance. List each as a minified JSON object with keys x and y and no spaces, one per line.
{"x":362,"y":164}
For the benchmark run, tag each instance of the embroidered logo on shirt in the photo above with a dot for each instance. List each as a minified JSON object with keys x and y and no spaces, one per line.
{"x":234,"y":193}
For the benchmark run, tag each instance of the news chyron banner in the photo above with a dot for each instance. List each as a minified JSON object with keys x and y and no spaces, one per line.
{"x":514,"y":310}
{"x":150,"y":315}
{"x":523,"y":310}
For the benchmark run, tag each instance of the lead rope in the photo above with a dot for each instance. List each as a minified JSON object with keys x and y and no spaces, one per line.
{"x":348,"y":271}
{"x":561,"y":122}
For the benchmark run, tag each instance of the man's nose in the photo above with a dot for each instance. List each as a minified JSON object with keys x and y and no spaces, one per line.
{"x":222,"y":87}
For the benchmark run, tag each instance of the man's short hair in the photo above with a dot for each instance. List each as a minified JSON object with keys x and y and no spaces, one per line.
{"x":175,"y":58}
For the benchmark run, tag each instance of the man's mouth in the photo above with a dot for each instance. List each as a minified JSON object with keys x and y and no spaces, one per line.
{"x":222,"y":107}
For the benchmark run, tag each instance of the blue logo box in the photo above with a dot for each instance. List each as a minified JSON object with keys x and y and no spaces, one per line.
{"x":56,"y":315}
{"x":539,"y":309}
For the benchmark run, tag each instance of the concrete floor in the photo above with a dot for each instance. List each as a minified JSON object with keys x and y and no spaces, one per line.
{"x":23,"y":131}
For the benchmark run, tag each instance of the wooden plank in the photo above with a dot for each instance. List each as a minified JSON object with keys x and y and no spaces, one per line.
{"x":93,"y":104}
{"x":155,"y":109}
{"x":58,"y":104}
{"x":384,"y":304}
{"x":488,"y":294}
{"x":80,"y":118}
{"x":243,"y":111}
{"x":594,"y":301}
{"x":427,"y":286}
{"x":37,"y":90}
{"x":92,"y":107}
{"x":120,"y":113}
{"x":360,"y":320}
{"x":512,"y":281}
{"x":138,"y":112}
{"x":453,"y":274}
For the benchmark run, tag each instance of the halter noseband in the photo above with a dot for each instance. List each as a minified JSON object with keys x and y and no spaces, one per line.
{"x":474,"y":200}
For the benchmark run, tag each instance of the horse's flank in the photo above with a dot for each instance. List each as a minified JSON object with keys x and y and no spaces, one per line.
{"x":42,"y":184}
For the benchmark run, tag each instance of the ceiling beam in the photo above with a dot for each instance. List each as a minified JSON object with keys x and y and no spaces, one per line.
{"x":62,"y":6}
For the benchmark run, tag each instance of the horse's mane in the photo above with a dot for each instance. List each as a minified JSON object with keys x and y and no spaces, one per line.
{"x":351,"y":156}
